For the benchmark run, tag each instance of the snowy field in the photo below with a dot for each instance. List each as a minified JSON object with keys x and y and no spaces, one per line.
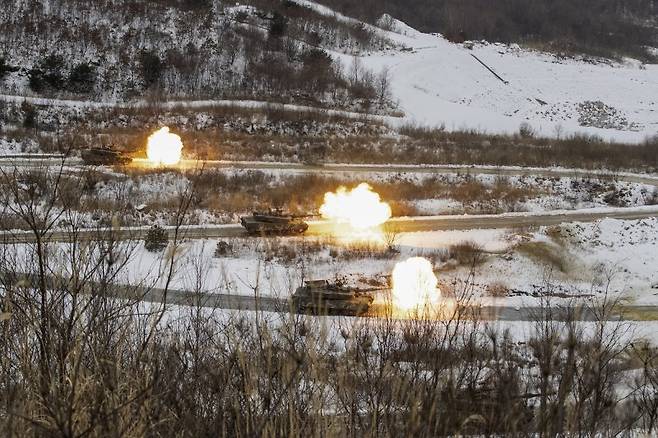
{"x":518,"y":267}
{"x":179,"y":316}
{"x":579,"y":260}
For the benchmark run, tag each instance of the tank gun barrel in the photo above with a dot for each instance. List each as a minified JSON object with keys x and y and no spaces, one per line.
{"x":373,"y":289}
{"x":304,"y":216}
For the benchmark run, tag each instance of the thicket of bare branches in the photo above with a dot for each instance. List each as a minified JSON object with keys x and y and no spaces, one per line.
{"x":82,"y":356}
{"x":158,"y":49}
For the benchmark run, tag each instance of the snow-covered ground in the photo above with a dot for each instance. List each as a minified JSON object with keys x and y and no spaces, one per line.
{"x":574,"y":260}
{"x":147,"y":197}
{"x":582,"y":260}
{"x":278,"y":265}
{"x":439,"y":83}
{"x":10,"y":146}
{"x":195,"y":105}
{"x":628,"y":248}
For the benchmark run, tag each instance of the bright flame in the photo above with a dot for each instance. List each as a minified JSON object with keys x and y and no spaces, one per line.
{"x":164,"y":148}
{"x":414,"y":285}
{"x":360,"y":207}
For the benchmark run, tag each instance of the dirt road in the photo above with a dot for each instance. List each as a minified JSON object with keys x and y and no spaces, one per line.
{"x":401,"y":224}
{"x":485,"y":313}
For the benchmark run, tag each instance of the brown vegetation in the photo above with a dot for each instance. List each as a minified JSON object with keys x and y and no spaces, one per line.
{"x":498,"y":289}
{"x":467,"y":253}
{"x":232,"y":193}
{"x":549,"y":254}
{"x":578,"y":151}
{"x":272,"y":134}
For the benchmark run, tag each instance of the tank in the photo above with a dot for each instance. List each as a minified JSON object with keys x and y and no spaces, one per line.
{"x":103,"y":157}
{"x":273,"y":223}
{"x":324,"y":298}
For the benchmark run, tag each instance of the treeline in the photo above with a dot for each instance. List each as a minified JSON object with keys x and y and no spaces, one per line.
{"x":597,"y":27}
{"x":178,"y":48}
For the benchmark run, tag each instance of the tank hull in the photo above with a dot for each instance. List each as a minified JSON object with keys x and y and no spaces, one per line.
{"x":258,"y":225}
{"x":103,"y":157}
{"x":330,"y":301}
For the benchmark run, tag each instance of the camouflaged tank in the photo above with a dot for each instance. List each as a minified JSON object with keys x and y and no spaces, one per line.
{"x":324,"y":298}
{"x":273,"y":223}
{"x":103,"y":157}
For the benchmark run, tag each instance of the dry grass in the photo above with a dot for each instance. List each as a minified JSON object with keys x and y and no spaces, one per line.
{"x":362,"y":250}
{"x":293,"y":252}
{"x":298,"y":376}
{"x":545,"y":253}
{"x":234,"y":134}
{"x":467,"y":253}
{"x":228,"y":194}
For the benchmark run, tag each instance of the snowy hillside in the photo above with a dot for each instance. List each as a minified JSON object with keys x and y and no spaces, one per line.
{"x":443,"y":84}
{"x":440,"y":83}
{"x":125,"y":50}
{"x":303,"y":53}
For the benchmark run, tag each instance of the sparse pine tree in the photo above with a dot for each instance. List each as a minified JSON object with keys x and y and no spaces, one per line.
{"x":82,"y":78}
{"x":151,"y":67}
{"x":29,"y":115}
{"x":6,"y":68}
{"x":48,"y":74}
{"x":156,"y":239}
{"x":278,"y":26}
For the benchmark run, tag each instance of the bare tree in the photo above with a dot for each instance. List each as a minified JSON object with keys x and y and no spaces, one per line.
{"x":391,"y":236}
{"x":384,"y":86}
{"x":71,"y":329}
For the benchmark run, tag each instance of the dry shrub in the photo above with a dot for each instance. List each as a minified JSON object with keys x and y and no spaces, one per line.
{"x":510,"y":194}
{"x":469,"y":191}
{"x":403,"y":208}
{"x":421,"y":131}
{"x":545,"y":253}
{"x":194,"y":371}
{"x":652,"y":199}
{"x":467,"y":253}
{"x":10,"y":221}
{"x":555,"y":233}
{"x":353,"y":141}
{"x":498,"y":289}
{"x":436,"y":256}
{"x":276,"y":249}
{"x":364,"y":249}
{"x":289,"y":251}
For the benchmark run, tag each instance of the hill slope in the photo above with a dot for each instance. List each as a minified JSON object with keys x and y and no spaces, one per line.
{"x":305,"y":53}
{"x":612,"y":28}
{"x":125,"y":49}
{"x":442,"y":83}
